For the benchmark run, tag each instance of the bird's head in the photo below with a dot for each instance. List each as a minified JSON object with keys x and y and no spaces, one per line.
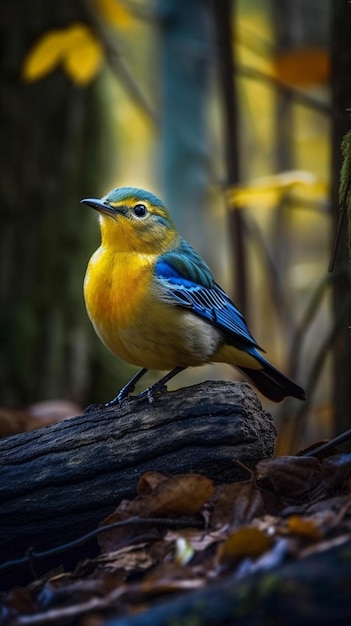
{"x":134,"y":220}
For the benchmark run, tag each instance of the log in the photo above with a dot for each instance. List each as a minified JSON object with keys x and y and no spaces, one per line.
{"x":61,"y":481}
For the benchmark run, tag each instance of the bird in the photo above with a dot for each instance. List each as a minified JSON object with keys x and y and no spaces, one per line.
{"x":154,"y":302}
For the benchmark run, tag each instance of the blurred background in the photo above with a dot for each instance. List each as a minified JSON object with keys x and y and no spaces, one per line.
{"x":233,"y":113}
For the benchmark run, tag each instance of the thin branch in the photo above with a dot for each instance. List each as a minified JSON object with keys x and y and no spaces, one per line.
{"x":119,"y":66}
{"x":309,"y":314}
{"x":336,"y":441}
{"x":32,"y":556}
{"x":317,"y":367}
{"x":275,"y":279}
{"x":300,"y":97}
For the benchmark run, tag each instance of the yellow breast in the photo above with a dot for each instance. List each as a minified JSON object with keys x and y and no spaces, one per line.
{"x":115,"y":291}
{"x":132,"y":318}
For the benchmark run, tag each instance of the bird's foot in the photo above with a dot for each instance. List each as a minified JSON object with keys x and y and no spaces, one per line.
{"x":117,"y":401}
{"x":152,"y":392}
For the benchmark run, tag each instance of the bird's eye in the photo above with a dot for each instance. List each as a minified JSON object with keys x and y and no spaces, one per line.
{"x":140,"y":210}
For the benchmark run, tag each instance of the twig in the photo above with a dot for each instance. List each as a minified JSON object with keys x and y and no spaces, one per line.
{"x":31,"y":556}
{"x":317,"y":367}
{"x":336,"y":441}
{"x":298,"y":96}
{"x":119,"y":66}
{"x":346,"y":197}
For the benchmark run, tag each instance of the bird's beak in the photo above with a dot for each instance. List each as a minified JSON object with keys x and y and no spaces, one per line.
{"x":100,"y":205}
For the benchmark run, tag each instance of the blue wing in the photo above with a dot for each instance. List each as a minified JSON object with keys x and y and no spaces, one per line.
{"x":189,"y":282}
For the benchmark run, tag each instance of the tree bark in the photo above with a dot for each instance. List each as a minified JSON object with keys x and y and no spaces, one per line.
{"x":52,"y":133}
{"x":61,"y":481}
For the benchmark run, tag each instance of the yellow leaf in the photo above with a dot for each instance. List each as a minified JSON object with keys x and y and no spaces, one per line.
{"x":304,"y":527}
{"x":115,"y":12}
{"x":269,"y":189}
{"x":303,"y":67}
{"x":76,"y":47}
{"x":44,"y":56}
{"x":244,"y":542}
{"x":84,"y":54}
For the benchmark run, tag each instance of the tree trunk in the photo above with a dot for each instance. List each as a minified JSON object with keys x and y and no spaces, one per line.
{"x":61,"y":481}
{"x":225,"y":16}
{"x":50,"y":159}
{"x":184,"y":159}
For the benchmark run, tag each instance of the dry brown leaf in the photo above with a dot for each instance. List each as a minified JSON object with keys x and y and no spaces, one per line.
{"x":170,"y":577}
{"x":117,"y":538}
{"x":291,"y":475}
{"x":199,"y":540}
{"x":179,"y":495}
{"x":183,"y":494}
{"x":184,"y":560}
{"x":129,"y":559}
{"x":149,"y":481}
{"x":336,"y":471}
{"x":238,"y":503}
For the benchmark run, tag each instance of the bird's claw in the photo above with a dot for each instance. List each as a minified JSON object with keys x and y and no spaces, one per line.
{"x":117,"y":401}
{"x":151,"y":392}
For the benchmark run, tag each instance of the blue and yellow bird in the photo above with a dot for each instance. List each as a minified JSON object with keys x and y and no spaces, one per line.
{"x":154,"y":302}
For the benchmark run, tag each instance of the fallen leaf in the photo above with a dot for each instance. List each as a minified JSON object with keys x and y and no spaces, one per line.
{"x":149,"y":481}
{"x":336,"y":471}
{"x":244,"y":542}
{"x":129,"y":559}
{"x":181,"y":495}
{"x":238,"y":503}
{"x":199,"y":540}
{"x":291,"y":475}
{"x":116,"y":538}
{"x":168,"y":577}
{"x":304,"y":527}
{"x":269,"y":560}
